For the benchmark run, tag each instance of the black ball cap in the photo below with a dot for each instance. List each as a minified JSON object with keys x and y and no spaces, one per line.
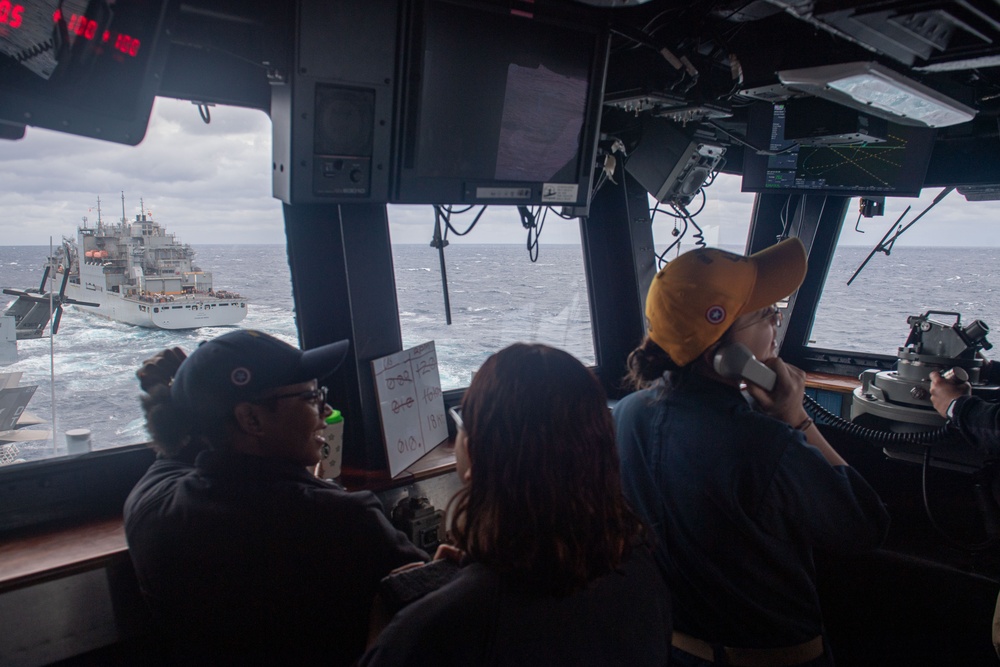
{"x":244,"y":365}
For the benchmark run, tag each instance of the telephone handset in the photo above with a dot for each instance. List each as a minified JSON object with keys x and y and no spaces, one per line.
{"x":736,"y":361}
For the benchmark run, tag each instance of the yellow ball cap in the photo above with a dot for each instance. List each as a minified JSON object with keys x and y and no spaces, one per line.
{"x":695,"y":298}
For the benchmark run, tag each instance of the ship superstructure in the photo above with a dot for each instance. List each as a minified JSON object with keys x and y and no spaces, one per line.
{"x":142,"y":275}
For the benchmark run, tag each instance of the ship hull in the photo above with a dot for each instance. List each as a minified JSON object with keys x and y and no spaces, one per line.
{"x":180,"y":313}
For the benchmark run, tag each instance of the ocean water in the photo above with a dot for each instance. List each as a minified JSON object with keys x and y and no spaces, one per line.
{"x":497,"y":297}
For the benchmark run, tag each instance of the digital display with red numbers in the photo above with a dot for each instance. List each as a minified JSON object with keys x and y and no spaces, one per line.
{"x":86,"y":28}
{"x":11,"y":14}
{"x":82,"y":66}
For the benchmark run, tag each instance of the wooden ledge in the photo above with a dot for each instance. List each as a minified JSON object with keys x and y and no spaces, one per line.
{"x":438,"y":461}
{"x":842,"y":384}
{"x":57,"y":552}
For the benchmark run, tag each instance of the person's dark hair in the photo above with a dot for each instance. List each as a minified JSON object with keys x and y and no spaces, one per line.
{"x":544,"y":502}
{"x":177,"y":433}
{"x":649,"y":362}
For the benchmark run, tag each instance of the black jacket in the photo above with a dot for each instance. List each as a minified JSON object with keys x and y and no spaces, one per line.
{"x":484,"y":618}
{"x":246,"y":560}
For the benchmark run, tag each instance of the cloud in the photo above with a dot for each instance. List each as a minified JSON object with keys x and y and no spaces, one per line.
{"x":211,"y":183}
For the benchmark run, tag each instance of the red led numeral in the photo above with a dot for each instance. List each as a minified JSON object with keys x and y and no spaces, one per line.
{"x":10,"y":14}
{"x":127,"y":44}
{"x":81,"y":26}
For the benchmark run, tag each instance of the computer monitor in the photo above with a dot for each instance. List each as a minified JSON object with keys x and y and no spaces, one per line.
{"x":498,"y":108}
{"x":893,"y":166}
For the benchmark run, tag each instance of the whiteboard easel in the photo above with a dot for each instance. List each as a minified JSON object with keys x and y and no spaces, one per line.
{"x":411,"y":406}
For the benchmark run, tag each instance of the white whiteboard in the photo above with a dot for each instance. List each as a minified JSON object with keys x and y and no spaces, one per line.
{"x":408,"y":386}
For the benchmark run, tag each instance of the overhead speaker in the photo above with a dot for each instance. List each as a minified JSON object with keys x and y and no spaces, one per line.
{"x":332,"y":118}
{"x":345,"y":121}
{"x":343,"y":140}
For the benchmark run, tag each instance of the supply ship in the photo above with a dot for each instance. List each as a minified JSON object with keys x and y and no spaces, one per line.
{"x":138,"y":273}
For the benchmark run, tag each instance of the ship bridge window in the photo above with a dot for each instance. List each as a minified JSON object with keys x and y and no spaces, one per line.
{"x":497,"y":294}
{"x":95,"y":359}
{"x":948,"y":261}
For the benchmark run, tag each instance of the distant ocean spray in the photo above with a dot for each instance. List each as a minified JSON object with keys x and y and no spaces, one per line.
{"x":498,"y":296}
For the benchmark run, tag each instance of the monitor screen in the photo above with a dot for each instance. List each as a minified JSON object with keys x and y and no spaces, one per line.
{"x":501,"y":108}
{"x":891,"y":166}
{"x":81,"y":66}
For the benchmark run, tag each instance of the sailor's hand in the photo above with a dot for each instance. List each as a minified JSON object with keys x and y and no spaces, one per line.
{"x":160,"y":368}
{"x":447,"y":551}
{"x":784,"y":402}
{"x":944,"y":392}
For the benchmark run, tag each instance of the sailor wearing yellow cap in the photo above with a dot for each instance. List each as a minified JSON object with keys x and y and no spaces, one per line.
{"x":738,"y":492}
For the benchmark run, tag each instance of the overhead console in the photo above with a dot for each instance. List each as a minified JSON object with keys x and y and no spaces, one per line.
{"x":454,"y":102}
{"x":808,"y":146}
{"x":84,"y":67}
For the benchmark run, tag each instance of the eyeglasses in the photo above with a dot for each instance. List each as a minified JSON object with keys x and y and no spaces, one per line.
{"x":772,"y":313}
{"x":457,"y":416}
{"x":314,"y":396}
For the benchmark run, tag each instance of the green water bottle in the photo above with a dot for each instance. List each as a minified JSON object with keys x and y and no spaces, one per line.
{"x":332,"y":452}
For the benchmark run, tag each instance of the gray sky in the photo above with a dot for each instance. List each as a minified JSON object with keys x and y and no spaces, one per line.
{"x":212,"y":184}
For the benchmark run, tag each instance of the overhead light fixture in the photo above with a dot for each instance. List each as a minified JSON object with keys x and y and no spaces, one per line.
{"x":880,"y":91}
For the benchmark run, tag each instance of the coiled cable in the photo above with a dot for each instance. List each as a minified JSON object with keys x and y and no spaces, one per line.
{"x":824,"y":416}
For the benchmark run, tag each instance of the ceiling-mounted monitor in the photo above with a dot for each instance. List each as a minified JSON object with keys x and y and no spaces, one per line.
{"x":894,"y":166}
{"x":86,"y":67}
{"x":499,"y":107}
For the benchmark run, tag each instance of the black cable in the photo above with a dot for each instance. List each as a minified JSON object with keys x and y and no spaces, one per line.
{"x":564,"y":216}
{"x":661,"y":259}
{"x":824,"y":416}
{"x":699,"y":235}
{"x":446,"y":212}
{"x":858,"y":222}
{"x":531,"y":221}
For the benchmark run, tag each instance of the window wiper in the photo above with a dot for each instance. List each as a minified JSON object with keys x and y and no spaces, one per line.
{"x":885,"y":246}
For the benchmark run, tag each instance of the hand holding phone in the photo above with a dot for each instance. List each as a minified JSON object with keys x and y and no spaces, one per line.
{"x":737,"y":361}
{"x":779,"y":397}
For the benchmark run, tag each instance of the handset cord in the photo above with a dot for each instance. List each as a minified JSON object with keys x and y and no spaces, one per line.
{"x":826,"y":417}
